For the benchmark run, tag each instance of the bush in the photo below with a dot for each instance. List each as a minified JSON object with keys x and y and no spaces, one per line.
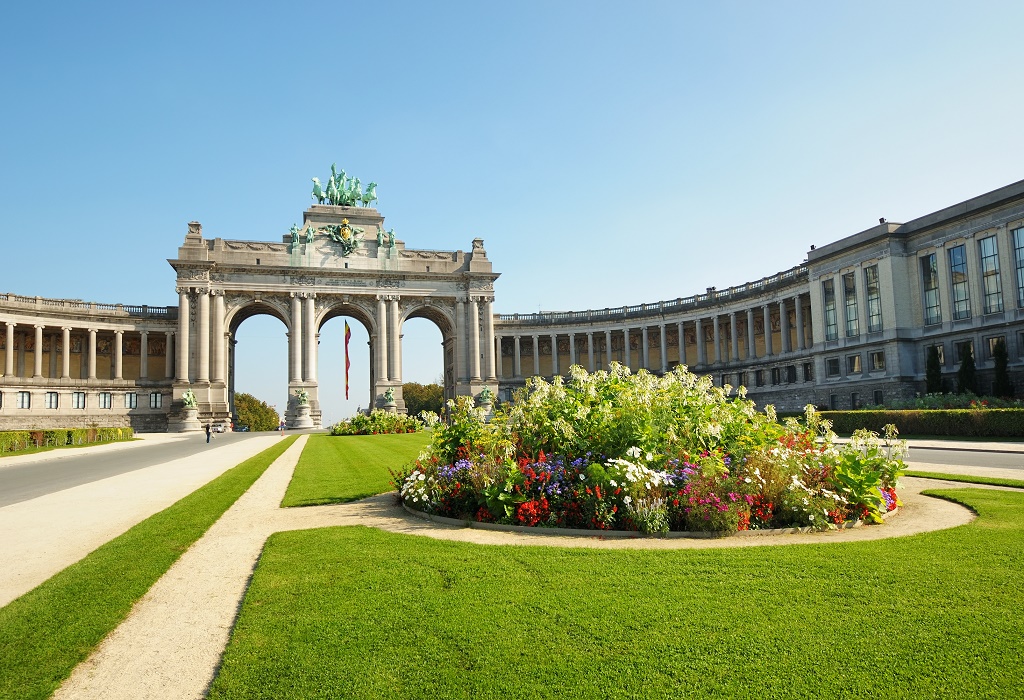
{"x":933,"y":371}
{"x":937,"y":401}
{"x":1002,"y":386}
{"x":256,"y":414}
{"x":995,"y":422}
{"x":378,"y":422}
{"x":422,"y":397}
{"x":15,"y":440}
{"x":967,"y":375}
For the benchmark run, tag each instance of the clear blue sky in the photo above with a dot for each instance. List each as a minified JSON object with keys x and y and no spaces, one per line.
{"x":608,"y":153}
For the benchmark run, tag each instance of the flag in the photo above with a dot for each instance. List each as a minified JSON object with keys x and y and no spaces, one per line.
{"x":348,"y":363}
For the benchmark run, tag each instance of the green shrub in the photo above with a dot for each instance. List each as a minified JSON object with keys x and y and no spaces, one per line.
{"x":377,"y":423}
{"x":256,"y":414}
{"x":56,"y":438}
{"x":995,"y":422}
{"x":14,"y":440}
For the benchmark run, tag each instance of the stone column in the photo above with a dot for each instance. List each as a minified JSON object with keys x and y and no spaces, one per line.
{"x":9,"y":353}
{"x":625,"y":348}
{"x":718,"y":339}
{"x":536,"y":355}
{"x":143,"y":354}
{"x":664,"y":349}
{"x":92,"y":354}
{"x":645,"y":353}
{"x":499,"y":369}
{"x":489,"y":336}
{"x":394,"y":356}
{"x":517,"y":363}
{"x":554,"y":354}
{"x":608,"y":348}
{"x":572,"y":349}
{"x":766,"y":309}
{"x":474,"y":339}
{"x":784,"y":326}
{"x":801,"y":337}
{"x":701,"y":350}
{"x":590,"y":352}
{"x":734,"y":337}
{"x":65,"y":339}
{"x":37,"y":370}
{"x":460,"y":339}
{"x":118,"y":354}
{"x":182,"y":345}
{"x":295,"y":340}
{"x":309,"y":341}
{"x":203,"y":337}
{"x":219,"y":341}
{"x":681,"y":349}
{"x":751,"y":349}
{"x":168,"y":355}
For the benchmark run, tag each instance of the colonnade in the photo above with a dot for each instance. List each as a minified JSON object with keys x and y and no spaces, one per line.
{"x":733,"y":336}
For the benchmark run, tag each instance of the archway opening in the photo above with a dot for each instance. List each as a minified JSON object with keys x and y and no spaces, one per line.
{"x":258,"y":361}
{"x":334,"y":406}
{"x":423,"y":362}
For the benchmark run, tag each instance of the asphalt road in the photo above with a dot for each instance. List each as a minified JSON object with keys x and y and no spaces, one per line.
{"x":23,"y":482}
{"x":992,"y":460}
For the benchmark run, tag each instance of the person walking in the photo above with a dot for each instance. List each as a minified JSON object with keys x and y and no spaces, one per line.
{"x":208,"y":431}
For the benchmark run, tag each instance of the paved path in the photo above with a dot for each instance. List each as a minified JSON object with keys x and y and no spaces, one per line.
{"x":42,"y":536}
{"x":171,"y":643}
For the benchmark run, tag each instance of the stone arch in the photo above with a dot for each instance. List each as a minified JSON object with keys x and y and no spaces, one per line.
{"x":238,"y":310}
{"x":442,"y":316}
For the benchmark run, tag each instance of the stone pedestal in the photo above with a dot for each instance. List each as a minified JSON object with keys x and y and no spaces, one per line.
{"x":189,"y":421}
{"x":301,"y":419}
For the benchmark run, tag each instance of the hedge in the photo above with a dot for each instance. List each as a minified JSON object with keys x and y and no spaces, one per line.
{"x":992,"y":422}
{"x":18,"y":440}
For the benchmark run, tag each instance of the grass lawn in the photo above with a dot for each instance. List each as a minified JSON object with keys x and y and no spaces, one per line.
{"x":347,"y":468}
{"x":967,"y":478}
{"x":357,"y":612}
{"x":48,"y":631}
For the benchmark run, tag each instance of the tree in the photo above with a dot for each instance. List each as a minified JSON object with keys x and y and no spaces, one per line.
{"x":255,"y":413}
{"x":933,"y":372}
{"x":1002,"y":386}
{"x":422,"y":397}
{"x":966,"y":376}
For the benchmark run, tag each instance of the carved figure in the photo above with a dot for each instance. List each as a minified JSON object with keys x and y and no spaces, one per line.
{"x":343,"y":191}
{"x":389,"y":395}
{"x":485,"y":396}
{"x":309,"y":234}
{"x":301,"y":397}
{"x":370,"y":195}
{"x":318,"y":193}
{"x":380,"y":235}
{"x":391,"y":238}
{"x":189,"y":399}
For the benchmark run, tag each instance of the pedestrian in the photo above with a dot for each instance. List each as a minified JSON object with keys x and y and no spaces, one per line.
{"x":208,"y":431}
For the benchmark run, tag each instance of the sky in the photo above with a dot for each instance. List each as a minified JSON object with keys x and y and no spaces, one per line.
{"x":607,"y":153}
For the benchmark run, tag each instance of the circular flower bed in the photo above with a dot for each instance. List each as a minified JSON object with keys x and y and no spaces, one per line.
{"x":615,"y":450}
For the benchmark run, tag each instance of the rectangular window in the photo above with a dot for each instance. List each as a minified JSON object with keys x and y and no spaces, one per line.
{"x":962,"y":348}
{"x":940,"y":350}
{"x":879,"y":400}
{"x":776,"y":376}
{"x":24,"y":399}
{"x":874,"y":297}
{"x":991,"y":344}
{"x":833,"y":401}
{"x":106,"y":400}
{"x":853,"y":364}
{"x":854,"y":400}
{"x":791,"y":374}
{"x":930,"y":284}
{"x":52,"y":399}
{"x":808,"y":371}
{"x":828,"y":293}
{"x":958,"y":279}
{"x":850,"y":302}
{"x":156,"y":399}
{"x":832,"y":367}
{"x":759,"y":377}
{"x":741,"y":379}
{"x":724,"y":379}
{"x":131,"y":400}
{"x":78,"y":399}
{"x":1018,"y":255}
{"x":993,"y":301}
{"x":877,"y":360}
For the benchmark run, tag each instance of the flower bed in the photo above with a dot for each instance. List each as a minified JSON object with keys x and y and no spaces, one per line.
{"x":376,"y":423}
{"x":615,"y":450}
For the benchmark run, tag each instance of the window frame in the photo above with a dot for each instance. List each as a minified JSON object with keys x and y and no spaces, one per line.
{"x":930,"y":294}
{"x":873,"y":296}
{"x":991,"y":287}
{"x":831,"y":362}
{"x":53,"y":400}
{"x":131,"y":399}
{"x":156,"y":400}
{"x":828,"y":305}
{"x":25,"y":400}
{"x":850,"y":314}
{"x":876,"y":366}
{"x":959,"y":282}
{"x":854,"y":364}
{"x":1018,"y":256}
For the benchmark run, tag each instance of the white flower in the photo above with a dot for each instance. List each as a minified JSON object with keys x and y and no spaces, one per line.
{"x":811,"y":518}
{"x":633,"y":452}
{"x":583,"y":477}
{"x":649,"y":456}
{"x":627,"y":500}
{"x":747,"y":479}
{"x":422,"y":476}
{"x":612,"y":482}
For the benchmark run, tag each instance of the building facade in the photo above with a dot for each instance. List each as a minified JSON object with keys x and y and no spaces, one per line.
{"x":851,"y":325}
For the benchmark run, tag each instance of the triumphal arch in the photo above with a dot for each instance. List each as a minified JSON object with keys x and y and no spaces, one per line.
{"x":340,"y":262}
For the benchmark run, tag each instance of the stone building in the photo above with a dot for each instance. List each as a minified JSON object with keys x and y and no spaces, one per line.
{"x":851,"y":325}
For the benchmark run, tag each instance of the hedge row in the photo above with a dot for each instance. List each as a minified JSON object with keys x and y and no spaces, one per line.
{"x":993,"y":422}
{"x":17,"y":440}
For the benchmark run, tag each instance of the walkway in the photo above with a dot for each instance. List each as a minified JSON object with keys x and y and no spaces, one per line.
{"x":171,"y":643}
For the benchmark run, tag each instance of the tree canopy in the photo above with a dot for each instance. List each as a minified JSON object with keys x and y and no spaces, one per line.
{"x":255,"y":413}
{"x":422,"y":397}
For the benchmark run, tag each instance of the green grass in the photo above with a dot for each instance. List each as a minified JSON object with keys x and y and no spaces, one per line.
{"x":48,"y":631}
{"x":968,"y":479}
{"x":357,"y":612}
{"x":339,"y":469}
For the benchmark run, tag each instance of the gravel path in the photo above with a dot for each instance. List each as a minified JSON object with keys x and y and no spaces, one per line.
{"x":171,"y":643}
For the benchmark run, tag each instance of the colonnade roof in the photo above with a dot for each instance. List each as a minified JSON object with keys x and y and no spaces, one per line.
{"x":75,"y":307}
{"x":712,"y":298}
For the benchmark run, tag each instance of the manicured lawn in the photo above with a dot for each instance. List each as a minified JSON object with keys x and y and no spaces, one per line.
{"x":357,"y":612}
{"x":969,"y":479}
{"x":51,"y":629}
{"x":339,"y":469}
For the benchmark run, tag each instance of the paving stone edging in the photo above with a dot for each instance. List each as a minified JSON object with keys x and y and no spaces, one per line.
{"x":625,"y":534}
